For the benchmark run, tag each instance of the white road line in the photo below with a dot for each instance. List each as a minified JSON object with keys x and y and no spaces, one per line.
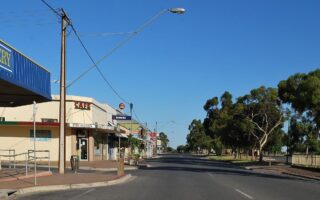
{"x":244,"y":194}
{"x":82,"y":194}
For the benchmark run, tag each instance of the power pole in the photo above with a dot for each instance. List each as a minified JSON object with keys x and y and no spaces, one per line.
{"x":131,"y":107}
{"x":65,"y":22}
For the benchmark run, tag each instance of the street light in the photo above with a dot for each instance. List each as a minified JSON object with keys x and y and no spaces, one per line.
{"x":127,"y":39}
{"x":177,"y":10}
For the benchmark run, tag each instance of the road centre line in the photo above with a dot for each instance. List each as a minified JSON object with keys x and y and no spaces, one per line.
{"x":82,"y":194}
{"x":244,"y":194}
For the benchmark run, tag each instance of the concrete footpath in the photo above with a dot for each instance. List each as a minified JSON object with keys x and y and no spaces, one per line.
{"x":90,"y":174}
{"x":287,"y":169}
{"x":60,"y":182}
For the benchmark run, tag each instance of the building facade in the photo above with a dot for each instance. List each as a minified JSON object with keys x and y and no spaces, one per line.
{"x":91,"y":133}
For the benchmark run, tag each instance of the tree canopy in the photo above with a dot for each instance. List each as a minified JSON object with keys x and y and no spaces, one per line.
{"x":164,"y":140}
{"x":255,"y":120}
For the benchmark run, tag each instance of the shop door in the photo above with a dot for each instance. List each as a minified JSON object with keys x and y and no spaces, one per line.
{"x":83,"y":148}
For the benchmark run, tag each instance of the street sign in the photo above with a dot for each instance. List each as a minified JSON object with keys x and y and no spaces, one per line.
{"x":120,"y":117}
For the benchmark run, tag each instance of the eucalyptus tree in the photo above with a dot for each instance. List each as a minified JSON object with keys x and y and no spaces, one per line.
{"x":302,"y":92}
{"x":262,"y":108}
{"x":197,"y":138}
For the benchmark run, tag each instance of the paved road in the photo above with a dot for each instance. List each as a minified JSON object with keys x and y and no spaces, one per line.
{"x":185,"y":177}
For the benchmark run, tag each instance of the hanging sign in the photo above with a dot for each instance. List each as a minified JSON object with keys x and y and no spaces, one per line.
{"x":120,"y":117}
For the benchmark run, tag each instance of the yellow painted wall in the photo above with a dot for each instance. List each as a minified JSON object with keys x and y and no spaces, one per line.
{"x":18,"y":138}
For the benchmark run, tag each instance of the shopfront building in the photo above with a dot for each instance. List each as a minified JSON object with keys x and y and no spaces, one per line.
{"x":90,"y":131}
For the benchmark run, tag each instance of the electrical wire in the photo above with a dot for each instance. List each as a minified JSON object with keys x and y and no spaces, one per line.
{"x":53,"y":10}
{"x":135,"y":114}
{"x":120,"y":44}
{"x":104,"y":34}
{"x":96,"y":66}
{"x":88,"y":54}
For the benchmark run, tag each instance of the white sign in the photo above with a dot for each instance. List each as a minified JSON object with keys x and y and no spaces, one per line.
{"x":78,"y":125}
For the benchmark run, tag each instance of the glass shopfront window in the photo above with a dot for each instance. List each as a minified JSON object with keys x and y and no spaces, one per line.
{"x":98,"y":141}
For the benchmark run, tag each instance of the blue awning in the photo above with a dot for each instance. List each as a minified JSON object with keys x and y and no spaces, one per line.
{"x":22,"y":80}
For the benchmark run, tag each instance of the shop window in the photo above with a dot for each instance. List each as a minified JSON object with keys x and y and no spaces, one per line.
{"x":41,"y":135}
{"x":2,"y":119}
{"x":97,"y":144}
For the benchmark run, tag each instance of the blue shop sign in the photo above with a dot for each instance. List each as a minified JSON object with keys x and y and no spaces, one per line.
{"x":6,"y":58}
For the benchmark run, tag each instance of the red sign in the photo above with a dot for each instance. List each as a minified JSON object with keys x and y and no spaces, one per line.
{"x":82,"y":105}
{"x":153,"y":136}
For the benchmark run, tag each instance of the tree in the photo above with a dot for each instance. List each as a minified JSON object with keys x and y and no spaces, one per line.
{"x":233,"y":126}
{"x":275,"y":142}
{"x":197,"y":137}
{"x":262,"y":109}
{"x":211,"y":123}
{"x":134,"y":143}
{"x":164,"y":140}
{"x":302,"y":92}
{"x":170,"y":149}
{"x":181,"y":149}
{"x":226,"y":124}
{"x":302,"y":136}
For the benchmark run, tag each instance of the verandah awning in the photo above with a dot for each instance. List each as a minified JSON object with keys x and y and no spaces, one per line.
{"x":22,"y":80}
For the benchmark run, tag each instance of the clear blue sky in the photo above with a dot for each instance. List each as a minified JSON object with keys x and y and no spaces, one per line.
{"x":171,"y":68}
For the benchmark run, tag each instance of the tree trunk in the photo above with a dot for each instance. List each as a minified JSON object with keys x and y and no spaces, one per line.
{"x":252,"y":154}
{"x":260,"y":154}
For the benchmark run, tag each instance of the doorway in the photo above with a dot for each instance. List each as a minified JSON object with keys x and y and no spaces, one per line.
{"x":83,"y":144}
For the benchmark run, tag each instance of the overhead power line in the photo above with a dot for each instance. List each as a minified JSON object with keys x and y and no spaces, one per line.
{"x":89,"y":55}
{"x":119,"y":45}
{"x":53,"y":10}
{"x":96,"y":66}
{"x":136,"y":116}
{"x":105,"y":34}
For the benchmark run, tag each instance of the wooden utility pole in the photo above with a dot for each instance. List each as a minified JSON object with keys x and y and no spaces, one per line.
{"x":65,"y":22}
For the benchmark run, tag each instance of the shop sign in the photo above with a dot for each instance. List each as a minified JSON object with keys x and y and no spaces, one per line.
{"x":120,"y":117}
{"x":102,"y":126}
{"x":6,"y":58}
{"x":78,"y":125}
{"x":82,"y":105}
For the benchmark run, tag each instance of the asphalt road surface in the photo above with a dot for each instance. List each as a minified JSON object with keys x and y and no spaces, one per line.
{"x":185,"y":177}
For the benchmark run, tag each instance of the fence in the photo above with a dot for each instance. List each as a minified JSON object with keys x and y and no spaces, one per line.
{"x":10,"y":154}
{"x":278,"y":159}
{"x":306,"y":160}
{"x":12,"y":161}
{"x":40,"y":156}
{"x":27,"y":159}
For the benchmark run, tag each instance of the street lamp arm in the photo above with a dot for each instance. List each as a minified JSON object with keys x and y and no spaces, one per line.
{"x":127,"y":39}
